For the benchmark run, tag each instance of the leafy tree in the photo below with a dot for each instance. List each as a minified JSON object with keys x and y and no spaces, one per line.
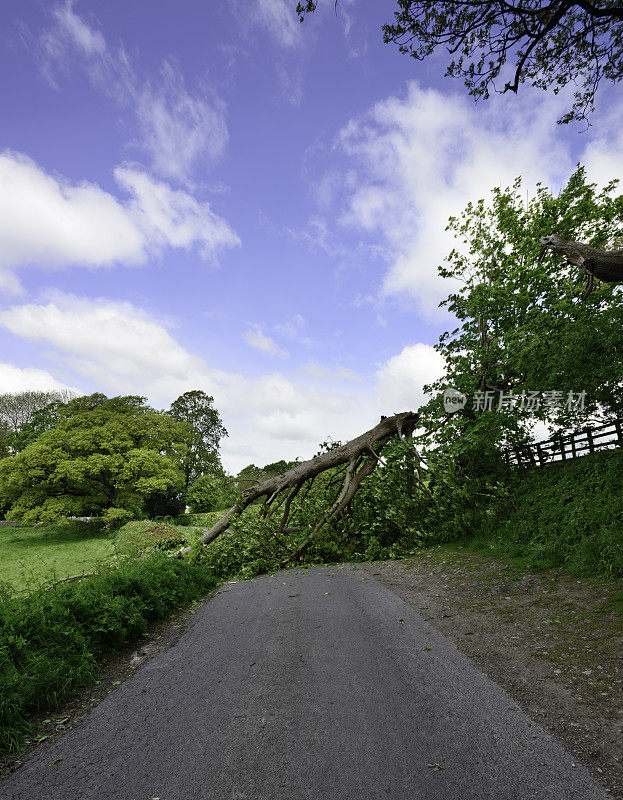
{"x":204,"y":433}
{"x":549,"y":43}
{"x":523,"y":331}
{"x":252,"y":475}
{"x":101,"y":454}
{"x":204,"y":494}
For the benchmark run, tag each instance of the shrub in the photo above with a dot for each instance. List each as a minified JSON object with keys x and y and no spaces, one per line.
{"x":115,"y":517}
{"x":50,"y":641}
{"x":138,"y":537}
{"x":204,"y":494}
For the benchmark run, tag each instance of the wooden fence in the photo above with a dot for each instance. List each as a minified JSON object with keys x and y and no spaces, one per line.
{"x":568,"y":446}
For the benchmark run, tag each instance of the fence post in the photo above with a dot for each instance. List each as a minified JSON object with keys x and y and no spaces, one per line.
{"x":589,"y":436}
{"x":540,"y":454}
{"x":563,"y":447}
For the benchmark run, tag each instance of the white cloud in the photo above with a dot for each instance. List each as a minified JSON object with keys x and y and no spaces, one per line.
{"x":330,"y":375}
{"x":603,"y":157}
{"x":113,"y":343}
{"x":89,"y":41}
{"x":279,"y":18}
{"x":15,"y":379}
{"x":258,"y":340}
{"x":173,"y":217}
{"x":401,"y":379}
{"x":48,"y":222}
{"x":178,"y":129}
{"x":117,"y":348}
{"x":413,"y":161}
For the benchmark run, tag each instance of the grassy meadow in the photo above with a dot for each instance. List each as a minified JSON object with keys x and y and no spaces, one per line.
{"x":32,"y":556}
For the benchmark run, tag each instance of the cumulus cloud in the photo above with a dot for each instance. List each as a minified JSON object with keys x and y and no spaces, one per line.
{"x":49,"y":222}
{"x":258,"y":340}
{"x":177,"y":128}
{"x":398,"y":172}
{"x":174,"y":218}
{"x":15,"y":379}
{"x":401,"y":379}
{"x":118,"y":348}
{"x":46,"y":220}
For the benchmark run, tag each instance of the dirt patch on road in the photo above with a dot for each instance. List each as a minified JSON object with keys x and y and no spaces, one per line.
{"x":553,"y":642}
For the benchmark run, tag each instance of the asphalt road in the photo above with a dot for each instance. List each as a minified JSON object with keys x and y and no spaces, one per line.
{"x":305,"y":686}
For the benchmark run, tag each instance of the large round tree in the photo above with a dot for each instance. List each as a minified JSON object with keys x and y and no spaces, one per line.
{"x":100,"y":454}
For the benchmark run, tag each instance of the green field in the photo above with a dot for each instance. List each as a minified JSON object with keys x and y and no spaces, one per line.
{"x":32,"y":556}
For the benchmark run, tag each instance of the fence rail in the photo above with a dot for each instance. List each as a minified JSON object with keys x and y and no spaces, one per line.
{"x":568,"y":446}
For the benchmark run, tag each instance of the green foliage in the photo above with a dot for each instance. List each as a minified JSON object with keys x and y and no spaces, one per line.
{"x":101,"y":453}
{"x":203,"y":433}
{"x":252,"y":475}
{"x":521,"y":329}
{"x":50,"y":642}
{"x":566,"y":515}
{"x":204,"y":494}
{"x":243,"y":551}
{"x":115,"y":517}
{"x":138,"y":537}
{"x":388,"y":511}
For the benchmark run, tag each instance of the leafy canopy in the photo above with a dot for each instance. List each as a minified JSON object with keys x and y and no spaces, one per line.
{"x":522,"y":327}
{"x":547,"y":43}
{"x":100,"y":454}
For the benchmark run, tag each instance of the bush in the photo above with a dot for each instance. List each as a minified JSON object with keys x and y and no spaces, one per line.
{"x":115,"y":517}
{"x":141,"y":536}
{"x":50,"y":642}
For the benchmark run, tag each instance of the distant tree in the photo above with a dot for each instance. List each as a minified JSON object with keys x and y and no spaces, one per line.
{"x":204,"y":432}
{"x":204,"y":494}
{"x":22,"y":414}
{"x":18,"y":408}
{"x":101,"y":454}
{"x":252,"y":475}
{"x":548,"y":43}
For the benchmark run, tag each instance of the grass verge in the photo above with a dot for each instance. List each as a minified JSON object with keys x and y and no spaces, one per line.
{"x":51,"y":641}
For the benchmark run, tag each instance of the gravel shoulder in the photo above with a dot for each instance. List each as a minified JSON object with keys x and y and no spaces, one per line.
{"x":555,"y":643}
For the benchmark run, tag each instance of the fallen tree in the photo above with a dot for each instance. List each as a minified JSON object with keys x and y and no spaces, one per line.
{"x":348,"y":465}
{"x":606,"y":265}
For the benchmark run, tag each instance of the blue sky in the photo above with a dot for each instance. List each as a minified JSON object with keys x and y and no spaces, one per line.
{"x":211,"y":195}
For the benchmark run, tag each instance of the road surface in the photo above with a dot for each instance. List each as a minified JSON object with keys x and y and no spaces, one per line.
{"x":305,"y":685}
